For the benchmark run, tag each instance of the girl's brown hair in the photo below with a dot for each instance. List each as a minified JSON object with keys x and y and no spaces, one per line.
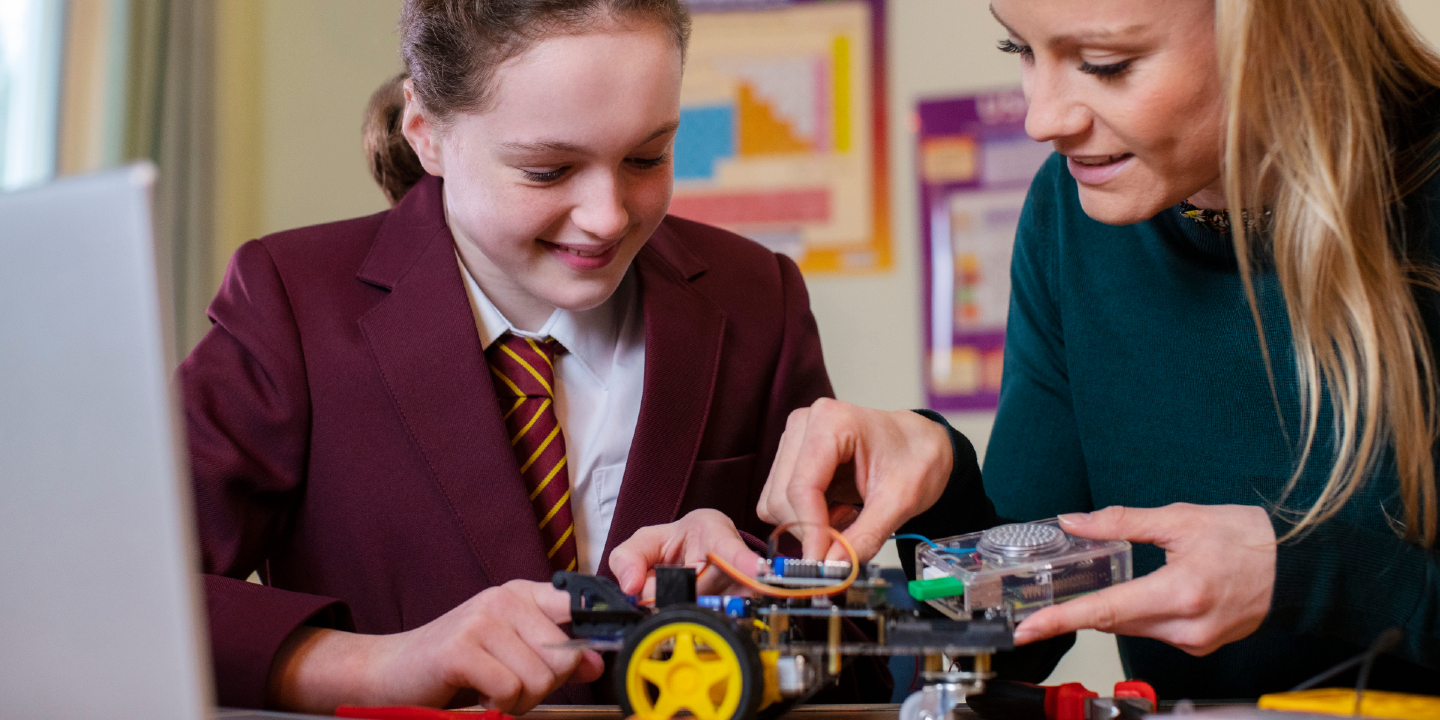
{"x":1331,"y":124}
{"x":452,"y":49}
{"x":393,"y":163}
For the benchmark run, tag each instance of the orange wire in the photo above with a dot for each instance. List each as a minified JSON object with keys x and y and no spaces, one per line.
{"x":784,"y":592}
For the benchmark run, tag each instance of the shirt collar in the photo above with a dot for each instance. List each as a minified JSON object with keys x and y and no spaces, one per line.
{"x":590,"y":335}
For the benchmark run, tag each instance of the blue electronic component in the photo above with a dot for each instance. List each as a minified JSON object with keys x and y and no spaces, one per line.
{"x":731,"y":605}
{"x":788,"y":567}
{"x":736,"y":606}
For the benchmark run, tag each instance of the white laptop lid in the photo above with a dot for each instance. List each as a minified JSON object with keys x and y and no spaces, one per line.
{"x":99,"y":601}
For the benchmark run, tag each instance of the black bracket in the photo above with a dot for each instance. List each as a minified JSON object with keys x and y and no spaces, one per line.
{"x":998,"y":634}
{"x":598,"y":609}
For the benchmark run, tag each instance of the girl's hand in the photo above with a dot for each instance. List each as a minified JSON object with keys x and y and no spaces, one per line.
{"x":686,"y":541}
{"x":502,"y":643}
{"x":895,"y":463}
{"x":1214,"y":588}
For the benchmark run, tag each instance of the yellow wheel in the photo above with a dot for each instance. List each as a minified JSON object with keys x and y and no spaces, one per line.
{"x":689,"y":661}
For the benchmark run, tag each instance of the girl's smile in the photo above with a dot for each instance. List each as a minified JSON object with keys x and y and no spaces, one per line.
{"x":581,"y":258}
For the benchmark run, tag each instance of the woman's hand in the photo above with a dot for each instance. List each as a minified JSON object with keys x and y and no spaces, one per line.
{"x":686,"y":541}
{"x":895,"y":463}
{"x":502,"y":643}
{"x":1214,"y":588}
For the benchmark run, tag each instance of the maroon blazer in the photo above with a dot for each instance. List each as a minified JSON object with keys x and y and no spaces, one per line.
{"x":347,"y":442}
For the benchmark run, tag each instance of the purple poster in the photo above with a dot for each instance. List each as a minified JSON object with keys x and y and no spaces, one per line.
{"x":975,"y":164}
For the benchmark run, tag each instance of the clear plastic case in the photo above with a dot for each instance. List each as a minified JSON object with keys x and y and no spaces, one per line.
{"x":1017,"y":569}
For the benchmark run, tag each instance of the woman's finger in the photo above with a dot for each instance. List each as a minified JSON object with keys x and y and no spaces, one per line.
{"x":773,"y":507}
{"x":875,"y":523}
{"x":1157,"y":526}
{"x":1121,"y":609}
{"x":843,"y":515}
{"x":829,"y":442}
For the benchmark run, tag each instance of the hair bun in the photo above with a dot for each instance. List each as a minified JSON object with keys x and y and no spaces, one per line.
{"x":393,"y":163}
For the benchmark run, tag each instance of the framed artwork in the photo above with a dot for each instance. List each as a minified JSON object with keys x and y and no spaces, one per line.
{"x":782,"y":129}
{"x":975,"y":164}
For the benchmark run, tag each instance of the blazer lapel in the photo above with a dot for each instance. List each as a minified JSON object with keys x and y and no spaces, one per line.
{"x":683,"y":334}
{"x":424,"y":340}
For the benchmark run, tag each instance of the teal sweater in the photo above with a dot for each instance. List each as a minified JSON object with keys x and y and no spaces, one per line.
{"x":1133,"y":376}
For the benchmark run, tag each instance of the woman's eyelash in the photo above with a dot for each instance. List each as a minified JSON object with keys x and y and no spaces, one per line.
{"x":1105,"y":71}
{"x":1101,"y":71}
{"x":1009,"y":46}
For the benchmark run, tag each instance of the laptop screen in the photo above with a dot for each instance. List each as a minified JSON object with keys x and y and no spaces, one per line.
{"x":99,"y":603}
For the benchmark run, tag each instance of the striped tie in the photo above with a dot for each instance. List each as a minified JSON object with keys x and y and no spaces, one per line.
{"x":524,"y":371}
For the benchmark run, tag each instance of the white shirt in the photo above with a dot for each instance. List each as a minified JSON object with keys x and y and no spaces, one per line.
{"x":598,"y":382}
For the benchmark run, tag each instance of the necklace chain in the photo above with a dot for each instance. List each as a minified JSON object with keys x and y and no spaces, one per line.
{"x":1219,"y":220}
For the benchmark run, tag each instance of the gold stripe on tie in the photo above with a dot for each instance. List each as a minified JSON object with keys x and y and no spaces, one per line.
{"x":543,"y":483}
{"x":539,"y":352}
{"x":518,"y":402}
{"x":561,"y":541}
{"x":539,"y":450}
{"x":506,"y":380}
{"x":553,"y":510}
{"x":572,"y":565}
{"x":529,"y":367}
{"x":515,"y":440}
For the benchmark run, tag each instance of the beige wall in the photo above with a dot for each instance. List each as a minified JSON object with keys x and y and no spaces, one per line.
{"x":323,"y":59}
{"x":294,"y":77}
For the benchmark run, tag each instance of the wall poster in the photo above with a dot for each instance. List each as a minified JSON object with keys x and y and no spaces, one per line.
{"x":975,"y":164}
{"x":782,"y":129}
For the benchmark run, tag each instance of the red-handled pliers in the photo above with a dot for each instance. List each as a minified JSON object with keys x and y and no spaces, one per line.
{"x":1012,"y":700}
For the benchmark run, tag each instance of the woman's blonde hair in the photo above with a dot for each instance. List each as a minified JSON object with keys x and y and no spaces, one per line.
{"x":1326,"y":128}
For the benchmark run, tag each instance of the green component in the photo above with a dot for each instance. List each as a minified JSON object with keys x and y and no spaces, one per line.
{"x":936,"y":588}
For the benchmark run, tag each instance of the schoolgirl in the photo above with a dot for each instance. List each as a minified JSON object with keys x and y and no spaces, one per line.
{"x":406,"y":422}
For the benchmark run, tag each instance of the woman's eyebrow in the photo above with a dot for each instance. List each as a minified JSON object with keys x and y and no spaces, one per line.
{"x":1100,"y":35}
{"x":1097,"y":35}
{"x":1002,"y":23}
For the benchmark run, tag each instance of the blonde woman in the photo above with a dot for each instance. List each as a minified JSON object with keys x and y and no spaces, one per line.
{"x":1222,"y":332}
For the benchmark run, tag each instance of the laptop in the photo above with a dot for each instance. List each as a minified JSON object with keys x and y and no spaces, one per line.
{"x":100,"y":603}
